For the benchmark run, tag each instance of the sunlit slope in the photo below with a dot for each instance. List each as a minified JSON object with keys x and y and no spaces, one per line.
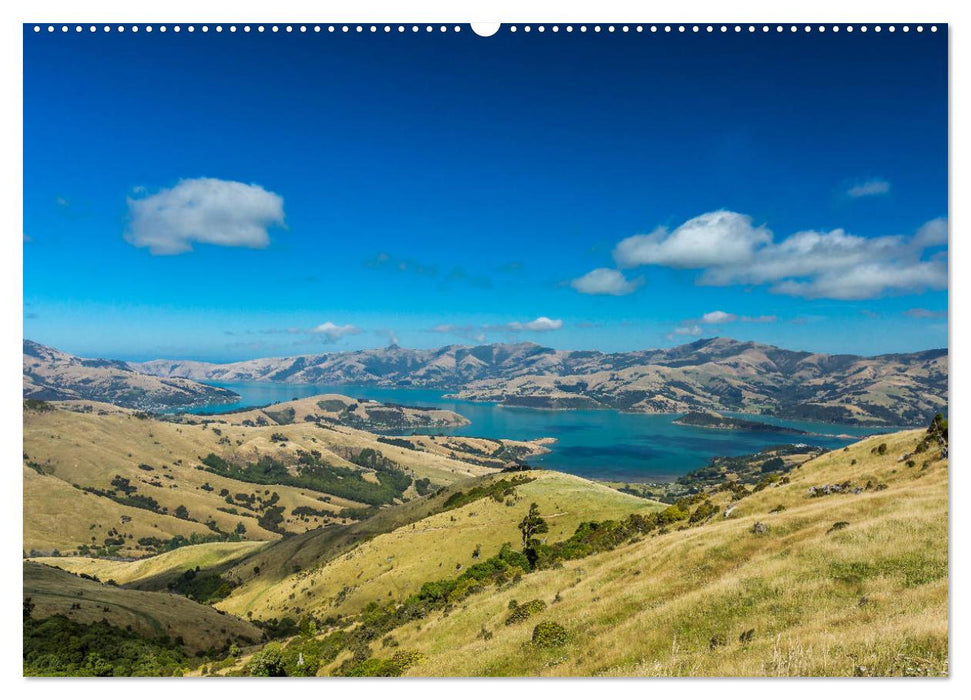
{"x":77,"y":455}
{"x":154,"y":572}
{"x":809,"y":596}
{"x":393,"y":563}
{"x":57,"y":592}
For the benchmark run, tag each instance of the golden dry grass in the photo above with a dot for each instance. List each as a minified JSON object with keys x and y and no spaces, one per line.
{"x":868,"y":599}
{"x":76,"y":449}
{"x":154,"y":572}
{"x":391,"y":565}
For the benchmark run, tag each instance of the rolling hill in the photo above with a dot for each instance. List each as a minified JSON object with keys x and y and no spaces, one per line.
{"x":716,"y":374}
{"x":833,"y":566}
{"x":53,"y":591}
{"x":137,"y":484}
{"x":50,"y":375}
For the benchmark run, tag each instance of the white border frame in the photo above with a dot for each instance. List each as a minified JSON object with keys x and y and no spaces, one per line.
{"x":437,"y":12}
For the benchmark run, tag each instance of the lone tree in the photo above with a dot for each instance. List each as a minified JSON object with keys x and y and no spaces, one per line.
{"x":531,"y":526}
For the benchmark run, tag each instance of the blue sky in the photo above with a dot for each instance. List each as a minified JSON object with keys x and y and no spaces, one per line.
{"x":226,"y":196}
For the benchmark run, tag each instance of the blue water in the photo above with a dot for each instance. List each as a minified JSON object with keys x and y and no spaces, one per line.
{"x":600,"y":444}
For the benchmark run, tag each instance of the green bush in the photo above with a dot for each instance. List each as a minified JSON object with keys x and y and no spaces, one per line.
{"x":522,"y":612}
{"x":267,"y":662}
{"x":549,"y":635}
{"x":57,"y":646}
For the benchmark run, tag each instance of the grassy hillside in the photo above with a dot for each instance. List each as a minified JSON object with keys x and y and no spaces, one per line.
{"x":134,"y":482}
{"x":837,"y":568}
{"x":155,"y":572}
{"x":153,"y":615}
{"x":427,"y":543}
{"x":843,"y":584}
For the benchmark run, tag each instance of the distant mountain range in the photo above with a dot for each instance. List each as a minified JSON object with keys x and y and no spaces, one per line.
{"x":715,"y":374}
{"x":52,"y":375}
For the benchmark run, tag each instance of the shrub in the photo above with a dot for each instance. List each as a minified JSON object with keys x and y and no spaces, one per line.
{"x":838,"y":526}
{"x":267,"y":662}
{"x":522,"y":612}
{"x":549,"y":635}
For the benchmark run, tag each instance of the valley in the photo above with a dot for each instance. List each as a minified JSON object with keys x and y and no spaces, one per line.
{"x":334,"y":535}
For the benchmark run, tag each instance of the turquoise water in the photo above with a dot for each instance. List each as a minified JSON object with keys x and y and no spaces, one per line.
{"x":601,"y":444}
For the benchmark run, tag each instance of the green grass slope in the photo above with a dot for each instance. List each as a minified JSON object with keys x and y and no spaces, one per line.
{"x":199,"y":627}
{"x":391,"y":557}
{"x":155,"y":572}
{"x":838,"y":568}
{"x":843,"y":584}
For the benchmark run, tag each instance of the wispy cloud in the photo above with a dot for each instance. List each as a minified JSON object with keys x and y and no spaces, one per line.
{"x":473,"y":333}
{"x":868,"y":188}
{"x":333,"y":332}
{"x":728,"y":249}
{"x":455,"y":275}
{"x":925,"y":313}
{"x":537,"y":325}
{"x":203,"y":210}
{"x":693,"y":330}
{"x":606,"y":281}
{"x":328,"y":331}
{"x":386,"y":261}
{"x":718,"y":317}
{"x":478,"y":334}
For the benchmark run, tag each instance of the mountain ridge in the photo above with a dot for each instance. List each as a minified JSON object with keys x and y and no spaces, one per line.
{"x":718,"y":374}
{"x":53,"y":375}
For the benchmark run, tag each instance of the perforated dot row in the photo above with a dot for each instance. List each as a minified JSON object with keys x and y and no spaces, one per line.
{"x":401,"y":28}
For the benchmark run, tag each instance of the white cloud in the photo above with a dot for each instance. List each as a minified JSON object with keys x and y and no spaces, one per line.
{"x":718,"y":237}
{"x":811,"y":264}
{"x":931,"y":234}
{"x":539,"y":325}
{"x":478,"y":333}
{"x":718,"y":317}
{"x":604,"y":280}
{"x":765,"y":318}
{"x":869,"y":188}
{"x":203,"y":210}
{"x":692,"y":330}
{"x":332,"y":332}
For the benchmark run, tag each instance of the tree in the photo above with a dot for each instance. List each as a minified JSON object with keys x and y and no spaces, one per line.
{"x":531,"y":526}
{"x":267,"y":662}
{"x":182,"y":512}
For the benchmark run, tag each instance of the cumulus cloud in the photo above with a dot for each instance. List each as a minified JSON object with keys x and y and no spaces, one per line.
{"x":719,"y":237}
{"x":333,"y":332}
{"x":538,"y":325}
{"x":729,"y":250}
{"x":718,"y":317}
{"x":869,"y":188}
{"x":604,"y":280}
{"x":203,"y":210}
{"x":931,"y":234}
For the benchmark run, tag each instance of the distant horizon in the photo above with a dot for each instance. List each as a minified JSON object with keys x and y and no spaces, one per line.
{"x":697,"y":341}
